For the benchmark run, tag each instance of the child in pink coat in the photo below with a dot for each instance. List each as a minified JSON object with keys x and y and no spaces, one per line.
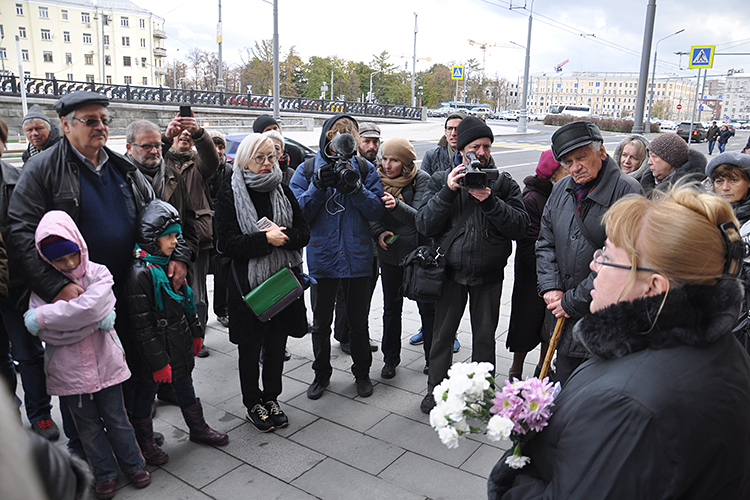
{"x":84,"y":360}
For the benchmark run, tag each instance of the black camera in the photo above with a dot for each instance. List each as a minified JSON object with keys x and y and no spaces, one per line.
{"x":477,"y":177}
{"x":347,"y":178}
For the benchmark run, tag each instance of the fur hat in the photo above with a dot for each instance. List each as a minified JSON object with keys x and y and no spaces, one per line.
{"x":470,"y":129}
{"x":671,"y":148}
{"x":402,"y":150}
{"x":547,"y":165}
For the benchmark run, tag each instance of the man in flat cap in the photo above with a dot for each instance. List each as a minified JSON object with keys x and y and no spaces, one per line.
{"x":103,"y":193}
{"x":39,"y":131}
{"x":487,"y":218}
{"x":571,"y":230}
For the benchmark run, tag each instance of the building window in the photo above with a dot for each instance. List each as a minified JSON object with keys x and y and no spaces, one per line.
{"x":24,"y":54}
{"x":145,"y":80}
{"x":64,"y":15}
{"x":43,"y":13}
{"x":68,"y":58}
{"x":87,"y":38}
{"x":3,"y":53}
{"x":85,"y":17}
{"x":21,"y":32}
{"x":88,"y":59}
{"x":66,"y":36}
{"x":105,"y":19}
{"x":105,"y":39}
{"x":19,"y":9}
{"x":126,"y":60}
{"x":143,"y":62}
{"x":109,"y":79}
{"x":143,"y":43}
{"x":126,"y":41}
{"x":47,"y":56}
{"x":70,"y":77}
{"x":46,"y":35}
{"x":128,"y":80}
{"x":108,"y":60}
{"x":124,"y":22}
{"x":142,"y":23}
{"x":90,"y":78}
{"x":49,"y":76}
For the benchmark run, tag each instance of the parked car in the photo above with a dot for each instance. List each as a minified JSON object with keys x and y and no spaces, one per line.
{"x":509,"y":115}
{"x":481,"y":112}
{"x":699,"y":131}
{"x":234,"y":140}
{"x":667,"y":125}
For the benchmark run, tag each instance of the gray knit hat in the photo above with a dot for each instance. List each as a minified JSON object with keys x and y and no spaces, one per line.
{"x":739,"y":160}
{"x":671,"y":148}
{"x":35,"y":113}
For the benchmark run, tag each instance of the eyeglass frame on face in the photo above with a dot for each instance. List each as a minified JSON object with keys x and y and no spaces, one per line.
{"x":598,"y":263}
{"x":147,"y":147}
{"x":93,"y":122}
{"x":271,"y":159}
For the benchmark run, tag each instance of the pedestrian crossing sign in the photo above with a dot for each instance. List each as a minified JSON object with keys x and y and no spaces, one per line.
{"x":702,"y":57}
{"x":457,"y":73}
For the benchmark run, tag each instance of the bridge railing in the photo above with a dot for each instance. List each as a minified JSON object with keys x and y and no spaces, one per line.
{"x":41,"y":87}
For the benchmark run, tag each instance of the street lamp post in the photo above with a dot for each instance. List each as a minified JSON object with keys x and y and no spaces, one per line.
{"x":370,"y":96}
{"x":414,"y":61}
{"x":653,"y":76}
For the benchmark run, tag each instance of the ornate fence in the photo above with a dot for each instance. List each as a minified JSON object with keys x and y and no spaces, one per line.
{"x":40,"y":87}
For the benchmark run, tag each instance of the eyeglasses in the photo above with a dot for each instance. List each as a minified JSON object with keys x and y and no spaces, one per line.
{"x":599,"y":261}
{"x":260,"y":159}
{"x":147,"y":147}
{"x":93,"y":122}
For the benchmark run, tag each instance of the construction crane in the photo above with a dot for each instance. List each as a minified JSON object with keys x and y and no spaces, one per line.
{"x":558,"y":68}
{"x":485,"y":45}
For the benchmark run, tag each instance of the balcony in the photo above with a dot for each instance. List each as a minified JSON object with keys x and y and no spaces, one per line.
{"x":160,"y":34}
{"x":161,"y":71}
{"x":160,"y":52}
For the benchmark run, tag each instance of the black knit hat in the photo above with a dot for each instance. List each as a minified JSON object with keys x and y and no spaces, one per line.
{"x":671,"y":148}
{"x":263,"y":122}
{"x":470,"y":129}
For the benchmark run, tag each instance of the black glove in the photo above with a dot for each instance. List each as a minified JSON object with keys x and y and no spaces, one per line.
{"x":325,"y":177}
{"x":349,"y":189}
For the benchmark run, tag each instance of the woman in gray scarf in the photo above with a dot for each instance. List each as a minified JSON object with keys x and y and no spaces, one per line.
{"x":261,"y":229}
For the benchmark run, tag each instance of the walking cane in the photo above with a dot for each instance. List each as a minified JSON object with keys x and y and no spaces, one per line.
{"x":552,"y":346}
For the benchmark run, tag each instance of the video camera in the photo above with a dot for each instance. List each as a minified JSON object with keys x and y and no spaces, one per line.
{"x":477,"y":177}
{"x":344,"y":146}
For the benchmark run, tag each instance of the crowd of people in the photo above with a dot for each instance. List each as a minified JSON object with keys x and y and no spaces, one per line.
{"x":104,"y":299}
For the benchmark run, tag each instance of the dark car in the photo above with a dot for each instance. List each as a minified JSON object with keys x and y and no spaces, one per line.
{"x":234,"y":140}
{"x":699,"y":131}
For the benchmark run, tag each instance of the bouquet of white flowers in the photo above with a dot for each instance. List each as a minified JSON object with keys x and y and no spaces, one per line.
{"x":517,"y":413}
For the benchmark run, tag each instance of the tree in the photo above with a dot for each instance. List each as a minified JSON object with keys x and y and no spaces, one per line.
{"x":437,"y":85}
{"x":289,"y":73}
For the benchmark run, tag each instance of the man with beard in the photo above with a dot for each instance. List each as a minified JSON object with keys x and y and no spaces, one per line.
{"x":475,"y":261}
{"x":195,"y":167}
{"x":40,"y":133}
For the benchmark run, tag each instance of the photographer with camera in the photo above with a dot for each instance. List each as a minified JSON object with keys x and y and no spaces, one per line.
{"x":476,"y":259}
{"x":338,"y":200}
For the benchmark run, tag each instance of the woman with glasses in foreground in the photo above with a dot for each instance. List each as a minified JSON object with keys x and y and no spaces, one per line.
{"x":261,"y":229}
{"x":662,"y":410}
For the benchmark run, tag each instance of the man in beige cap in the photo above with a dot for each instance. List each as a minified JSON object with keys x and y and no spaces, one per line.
{"x":369,"y":141}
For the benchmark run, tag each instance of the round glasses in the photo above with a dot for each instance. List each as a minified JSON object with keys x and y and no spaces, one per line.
{"x":261,"y":159}
{"x":599,"y":262}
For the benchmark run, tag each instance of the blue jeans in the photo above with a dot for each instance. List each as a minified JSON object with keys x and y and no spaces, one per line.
{"x":145,"y":392}
{"x":28,"y":352}
{"x":105,"y":432}
{"x":711,"y":145}
{"x":722,"y":146}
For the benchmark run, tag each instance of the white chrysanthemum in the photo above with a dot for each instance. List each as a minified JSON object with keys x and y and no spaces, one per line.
{"x":439,"y":391}
{"x":461,"y":426}
{"x":515,"y":462}
{"x":454,"y":407}
{"x":438,"y":418}
{"x":499,"y":428}
{"x":448,"y":436}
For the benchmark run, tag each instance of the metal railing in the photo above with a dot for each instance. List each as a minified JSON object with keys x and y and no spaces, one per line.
{"x":41,"y":87}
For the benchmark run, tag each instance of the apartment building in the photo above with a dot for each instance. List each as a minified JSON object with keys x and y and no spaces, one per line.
{"x":111,"y":41}
{"x":737,"y":97}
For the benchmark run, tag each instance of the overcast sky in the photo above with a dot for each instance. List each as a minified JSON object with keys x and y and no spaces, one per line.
{"x":594,"y":35}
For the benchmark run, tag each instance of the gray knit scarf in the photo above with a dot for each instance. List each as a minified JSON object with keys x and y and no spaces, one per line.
{"x":260,"y":269}
{"x":155,"y":174}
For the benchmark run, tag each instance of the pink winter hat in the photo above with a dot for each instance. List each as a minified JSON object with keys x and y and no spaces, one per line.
{"x":547,"y":165}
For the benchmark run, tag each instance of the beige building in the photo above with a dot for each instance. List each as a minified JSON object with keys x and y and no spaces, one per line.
{"x":110,"y":41}
{"x":737,"y":97}
{"x":610,"y":94}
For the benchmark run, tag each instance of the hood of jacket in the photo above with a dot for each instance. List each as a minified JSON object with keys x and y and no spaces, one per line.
{"x":692,"y":315}
{"x":59,"y":223}
{"x":324,"y":140}
{"x":536,"y":183}
{"x":151,"y":223}
{"x":637,"y":173}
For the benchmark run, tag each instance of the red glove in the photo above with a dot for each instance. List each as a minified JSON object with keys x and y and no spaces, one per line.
{"x":197,"y":345}
{"x":163,"y":376}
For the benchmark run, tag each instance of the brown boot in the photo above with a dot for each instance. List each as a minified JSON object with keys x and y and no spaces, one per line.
{"x":144,"y":434}
{"x":200,"y":432}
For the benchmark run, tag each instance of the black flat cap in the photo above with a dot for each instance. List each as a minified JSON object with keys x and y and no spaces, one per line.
{"x":71,"y":102}
{"x":573,"y":136}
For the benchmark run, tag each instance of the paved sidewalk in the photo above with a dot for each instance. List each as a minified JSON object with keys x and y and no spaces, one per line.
{"x":338,"y":447}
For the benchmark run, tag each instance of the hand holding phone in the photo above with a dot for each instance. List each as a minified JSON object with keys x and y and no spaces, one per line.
{"x":185,"y":111}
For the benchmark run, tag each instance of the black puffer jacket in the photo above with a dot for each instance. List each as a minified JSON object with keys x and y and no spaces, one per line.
{"x":564,"y":252}
{"x":480,"y":251}
{"x":662,"y":412}
{"x":438,"y":159}
{"x":160,"y":337}
{"x":50,"y":181}
{"x":693,"y":170}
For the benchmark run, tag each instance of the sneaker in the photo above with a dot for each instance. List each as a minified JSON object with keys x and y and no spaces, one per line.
{"x":47,"y":428}
{"x":388,"y":371}
{"x":364,"y":386}
{"x":203,"y":353}
{"x":260,"y":418}
{"x":456,"y":345}
{"x":428,"y":403}
{"x":373,"y":346}
{"x":278,"y":417}
{"x":417,"y":339}
{"x":224,"y":320}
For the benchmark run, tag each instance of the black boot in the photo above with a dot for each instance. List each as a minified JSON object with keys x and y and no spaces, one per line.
{"x":200,"y":432}
{"x":144,"y":434}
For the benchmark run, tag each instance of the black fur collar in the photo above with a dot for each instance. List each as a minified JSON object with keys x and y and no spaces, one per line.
{"x":693,"y":315}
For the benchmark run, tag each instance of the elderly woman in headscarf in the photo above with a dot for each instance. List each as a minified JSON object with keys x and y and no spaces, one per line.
{"x":396,"y":236}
